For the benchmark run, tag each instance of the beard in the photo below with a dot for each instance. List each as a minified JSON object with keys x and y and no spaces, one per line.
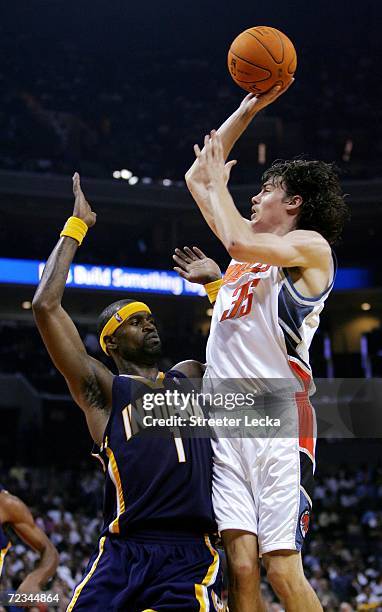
{"x":147,"y":354}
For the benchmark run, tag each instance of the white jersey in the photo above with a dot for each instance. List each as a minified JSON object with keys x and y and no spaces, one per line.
{"x":261,"y":326}
{"x":261,"y":330}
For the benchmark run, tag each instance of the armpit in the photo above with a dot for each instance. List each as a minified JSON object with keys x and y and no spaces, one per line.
{"x":93,"y":394}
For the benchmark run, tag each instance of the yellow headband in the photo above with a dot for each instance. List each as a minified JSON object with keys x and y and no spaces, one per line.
{"x":118,"y":318}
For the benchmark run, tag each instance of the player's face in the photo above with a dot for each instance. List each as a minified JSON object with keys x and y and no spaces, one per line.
{"x":268,"y":207}
{"x":138,"y":337}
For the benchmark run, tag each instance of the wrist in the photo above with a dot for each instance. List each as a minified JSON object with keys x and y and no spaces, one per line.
{"x":75,"y":228}
{"x":216,"y":184}
{"x":212,"y":289}
{"x":245,"y":115}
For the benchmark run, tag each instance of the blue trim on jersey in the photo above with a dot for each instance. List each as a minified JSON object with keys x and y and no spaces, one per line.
{"x":321,"y":295}
{"x":291,"y":312}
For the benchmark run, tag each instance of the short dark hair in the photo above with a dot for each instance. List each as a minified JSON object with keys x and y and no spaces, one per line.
{"x":108,"y":312}
{"x":323,"y":207}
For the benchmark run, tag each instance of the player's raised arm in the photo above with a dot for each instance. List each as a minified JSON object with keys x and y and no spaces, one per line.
{"x":89,"y":381}
{"x":15,"y":513}
{"x":299,"y":248}
{"x":230,"y":131}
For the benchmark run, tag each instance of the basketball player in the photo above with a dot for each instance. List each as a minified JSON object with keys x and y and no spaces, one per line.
{"x":266,"y":312}
{"x":154,"y":552}
{"x":15,"y":515}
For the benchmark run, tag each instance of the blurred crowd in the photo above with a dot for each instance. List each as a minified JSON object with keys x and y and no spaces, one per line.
{"x":182,"y":338}
{"x":64,"y":107}
{"x":19,"y":341}
{"x":342,"y":556}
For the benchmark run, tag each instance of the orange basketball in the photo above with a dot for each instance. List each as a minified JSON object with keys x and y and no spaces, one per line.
{"x":260,"y":58}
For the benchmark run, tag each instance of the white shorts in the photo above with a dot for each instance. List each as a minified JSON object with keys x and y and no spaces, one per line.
{"x":264,"y":486}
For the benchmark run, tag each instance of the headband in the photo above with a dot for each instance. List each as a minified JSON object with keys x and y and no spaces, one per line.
{"x":118,"y":318}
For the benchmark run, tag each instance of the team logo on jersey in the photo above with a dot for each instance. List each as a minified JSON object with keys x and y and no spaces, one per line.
{"x":118,"y":317}
{"x":304,"y":522}
{"x":237,"y":270}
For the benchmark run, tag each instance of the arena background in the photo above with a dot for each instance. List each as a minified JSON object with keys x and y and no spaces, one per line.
{"x":104,"y":87}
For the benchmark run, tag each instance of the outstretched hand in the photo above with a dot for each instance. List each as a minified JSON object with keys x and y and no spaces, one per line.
{"x":82,"y":208}
{"x":213,"y":169}
{"x":253,"y":103}
{"x":195,"y":266}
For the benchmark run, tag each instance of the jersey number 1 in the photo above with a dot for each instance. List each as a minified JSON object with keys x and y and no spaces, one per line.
{"x":126,"y":416}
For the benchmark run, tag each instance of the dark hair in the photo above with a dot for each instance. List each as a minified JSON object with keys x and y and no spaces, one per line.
{"x":108,"y":312}
{"x":323,"y":207}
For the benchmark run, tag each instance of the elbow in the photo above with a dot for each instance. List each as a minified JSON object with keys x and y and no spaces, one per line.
{"x":51,"y":557}
{"x":55,"y":556}
{"x":40,"y":305}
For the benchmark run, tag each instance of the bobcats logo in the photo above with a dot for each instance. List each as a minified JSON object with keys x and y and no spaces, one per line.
{"x":304,"y":522}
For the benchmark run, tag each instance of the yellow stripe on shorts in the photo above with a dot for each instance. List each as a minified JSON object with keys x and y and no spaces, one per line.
{"x":201,"y":590}
{"x":93,"y":568}
{"x":115,"y":477}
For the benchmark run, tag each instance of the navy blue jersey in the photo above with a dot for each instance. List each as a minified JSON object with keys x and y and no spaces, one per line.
{"x":4,"y":541}
{"x":153,"y":482}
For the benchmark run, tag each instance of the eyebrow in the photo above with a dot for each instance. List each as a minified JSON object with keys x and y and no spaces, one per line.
{"x":141,"y":316}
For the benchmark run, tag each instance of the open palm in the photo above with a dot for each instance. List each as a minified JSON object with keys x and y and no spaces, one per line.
{"x":195,"y":266}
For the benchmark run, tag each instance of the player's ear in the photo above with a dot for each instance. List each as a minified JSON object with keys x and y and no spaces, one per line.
{"x":111,"y":343}
{"x":294,"y":204}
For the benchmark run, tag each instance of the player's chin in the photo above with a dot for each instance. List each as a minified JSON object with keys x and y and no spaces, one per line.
{"x":153,"y":346}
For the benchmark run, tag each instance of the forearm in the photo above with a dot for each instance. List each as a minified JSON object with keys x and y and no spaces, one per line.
{"x":47,"y":566}
{"x":201,"y":196}
{"x":230,"y":226}
{"x":231,"y":130}
{"x":52,"y":284}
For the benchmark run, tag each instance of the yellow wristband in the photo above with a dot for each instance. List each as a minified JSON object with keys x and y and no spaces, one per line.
{"x":212,"y":289}
{"x":75,"y":228}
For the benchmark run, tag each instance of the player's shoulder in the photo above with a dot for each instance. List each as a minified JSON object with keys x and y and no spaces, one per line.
{"x":307,"y":235}
{"x":11,"y":507}
{"x":312,"y":242}
{"x":189,"y":368}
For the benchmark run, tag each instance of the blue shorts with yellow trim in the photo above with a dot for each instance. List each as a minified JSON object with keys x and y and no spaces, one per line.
{"x":151,"y":572}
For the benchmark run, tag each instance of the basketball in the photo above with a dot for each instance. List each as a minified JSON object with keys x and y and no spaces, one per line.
{"x":260,"y":58}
